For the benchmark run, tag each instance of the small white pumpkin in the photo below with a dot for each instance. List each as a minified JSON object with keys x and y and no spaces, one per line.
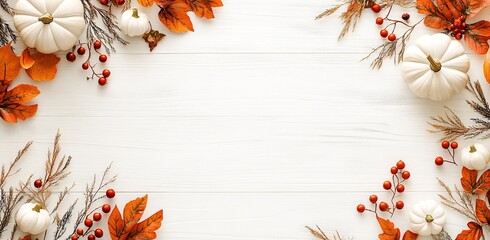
{"x":32,"y":219}
{"x":49,"y":25}
{"x":134,"y":23}
{"x":427,"y":218}
{"x":475,"y":157}
{"x":435,"y":67}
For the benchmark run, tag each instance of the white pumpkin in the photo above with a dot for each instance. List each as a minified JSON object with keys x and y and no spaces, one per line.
{"x":475,"y":157}
{"x":32,"y":219}
{"x":427,"y":218}
{"x":49,"y":25}
{"x":435,"y":67}
{"x":134,"y":23}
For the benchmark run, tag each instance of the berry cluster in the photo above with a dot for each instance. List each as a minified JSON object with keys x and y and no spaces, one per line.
{"x":395,"y":186}
{"x":458,"y":27}
{"x":81,"y":50}
{"x":393,"y":22}
{"x":446,"y":145}
{"x":106,"y":2}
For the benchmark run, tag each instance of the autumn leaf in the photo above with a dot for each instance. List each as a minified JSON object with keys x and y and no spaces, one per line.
{"x":173,"y":14}
{"x":146,"y":3}
{"x":127,"y":227}
{"x":482,"y":212}
{"x":408,"y":235}
{"x":26,"y":61}
{"x":483,"y":183}
{"x":468,"y":179}
{"x":26,"y":237}
{"x":152,"y":38}
{"x":44,"y":67}
{"x":474,"y":233}
{"x":9,"y":64}
{"x":203,"y":8}
{"x":389,"y":230}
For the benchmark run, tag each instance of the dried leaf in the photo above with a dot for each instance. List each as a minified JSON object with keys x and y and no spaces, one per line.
{"x":468,"y":179}
{"x":26,"y":237}
{"x":146,"y":229}
{"x":482,"y":212}
{"x":483,"y":184}
{"x":26,"y":61}
{"x":203,"y":8}
{"x":408,"y":235}
{"x":9,"y":64}
{"x":146,"y":3}
{"x":152,"y":38}
{"x":389,"y":230}
{"x":116,"y":224}
{"x":474,"y":233}
{"x":174,"y":16}
{"x":44,"y":67}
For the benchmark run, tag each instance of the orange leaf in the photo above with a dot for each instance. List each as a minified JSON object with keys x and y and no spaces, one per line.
{"x":133,"y":211}
{"x":481,"y":28}
{"x":146,"y":3}
{"x":468,"y":179}
{"x":434,"y":19}
{"x":482,"y":211}
{"x":146,"y":229}
{"x":174,"y":16}
{"x":26,"y":61}
{"x":203,"y":8}
{"x":474,"y":6}
{"x":483,"y":183}
{"x":410,"y":235}
{"x":474,"y":233}
{"x":9,"y":64}
{"x":44,"y":67}
{"x":486,"y":68}
{"x":11,"y":101}
{"x":115,"y":224}
{"x":389,"y":230}
{"x":26,"y":237}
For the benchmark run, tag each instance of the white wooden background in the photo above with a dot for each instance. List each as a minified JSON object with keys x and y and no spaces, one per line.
{"x":254,"y":126}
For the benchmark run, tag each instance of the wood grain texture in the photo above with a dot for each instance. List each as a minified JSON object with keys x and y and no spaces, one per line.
{"x":255,"y":125}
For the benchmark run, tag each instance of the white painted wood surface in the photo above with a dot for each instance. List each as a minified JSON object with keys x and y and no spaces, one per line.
{"x":255,"y":125}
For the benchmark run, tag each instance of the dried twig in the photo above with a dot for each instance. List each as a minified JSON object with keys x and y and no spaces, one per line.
{"x":6,"y":32}
{"x":462,"y":204}
{"x":451,"y":126}
{"x":318,"y":233}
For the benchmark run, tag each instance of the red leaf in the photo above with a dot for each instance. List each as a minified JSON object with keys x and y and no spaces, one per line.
{"x":389,"y":230}
{"x":468,"y":179}
{"x":482,"y":211}
{"x":483,"y":183}
{"x":474,"y":233}
{"x":410,"y":235}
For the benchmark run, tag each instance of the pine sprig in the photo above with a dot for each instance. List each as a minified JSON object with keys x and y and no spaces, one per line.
{"x":107,"y":36}
{"x":7,"y":34}
{"x":451,"y":126}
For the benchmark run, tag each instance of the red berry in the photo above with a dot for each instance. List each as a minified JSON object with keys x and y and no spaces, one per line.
{"x":70,"y":56}
{"x":38,"y":183}
{"x":405,"y":174}
{"x":106,"y":208}
{"x":81,"y":50}
{"x":400,"y":164}
{"x":99,"y":233}
{"x":74,"y":237}
{"x":376,"y":8}
{"x":97,"y":216}
{"x":361,"y":208}
{"x":454,"y":145}
{"x":405,"y":16}
{"x":80,"y":231}
{"x":463,"y":26}
{"x":400,"y":205}
{"x":392,"y":37}
{"x":379,"y":20}
{"x":106,"y":73}
{"x":394,"y":170}
{"x":85,"y":65}
{"x":120,"y":2}
{"x":383,"y":206}
{"x":104,"y":2}
{"x":103,"y":58}
{"x":102,"y":81}
{"x":383,"y":33}
{"x":457,"y":23}
{"x":458,"y":36}
{"x":373,"y":198}
{"x":445,"y":144}
{"x":97,"y":44}
{"x":91,"y":237}
{"x":439,"y":161}
{"x":386,"y":185}
{"x":110,"y":193}
{"x":88,"y":222}
{"x":400,"y":188}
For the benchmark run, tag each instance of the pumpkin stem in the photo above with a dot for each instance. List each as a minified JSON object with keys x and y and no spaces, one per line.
{"x":434,"y":64}
{"x":429,"y":218}
{"x":46,"y":18}
{"x":37,"y":208}
{"x":135,"y":13}
{"x":472,"y":149}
